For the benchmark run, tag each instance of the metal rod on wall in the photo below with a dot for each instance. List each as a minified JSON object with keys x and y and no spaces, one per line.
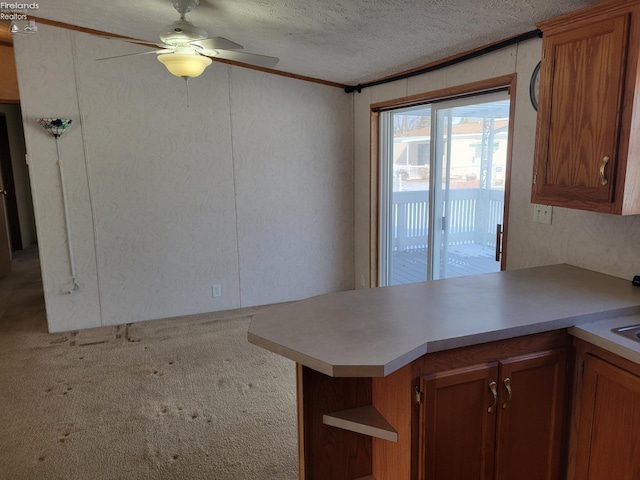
{"x":56,"y":126}
{"x":447,"y":63}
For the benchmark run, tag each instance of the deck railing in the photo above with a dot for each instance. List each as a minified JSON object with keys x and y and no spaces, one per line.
{"x":473,"y":214}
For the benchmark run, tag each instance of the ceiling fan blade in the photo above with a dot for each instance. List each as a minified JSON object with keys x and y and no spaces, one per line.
{"x":158,"y":52}
{"x":242,"y":57}
{"x":216,"y":43}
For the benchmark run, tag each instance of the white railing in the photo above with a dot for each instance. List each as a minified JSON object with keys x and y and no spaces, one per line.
{"x":472,"y":217}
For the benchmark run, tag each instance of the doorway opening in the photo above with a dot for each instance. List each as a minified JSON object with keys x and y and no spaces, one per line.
{"x":7,"y":187}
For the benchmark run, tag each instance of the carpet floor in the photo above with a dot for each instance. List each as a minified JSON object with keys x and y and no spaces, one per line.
{"x":181,"y":398}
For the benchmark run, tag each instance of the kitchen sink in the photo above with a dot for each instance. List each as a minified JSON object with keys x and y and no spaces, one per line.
{"x":632,"y":332}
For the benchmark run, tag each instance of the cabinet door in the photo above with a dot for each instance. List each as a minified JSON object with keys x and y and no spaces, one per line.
{"x":530,"y":419}
{"x":608,"y":432}
{"x":457,"y":424}
{"x":579,"y":117}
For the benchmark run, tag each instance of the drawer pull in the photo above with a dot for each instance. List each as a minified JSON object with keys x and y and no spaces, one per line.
{"x":507,"y":385}
{"x":493,"y":386}
{"x":603,"y":178}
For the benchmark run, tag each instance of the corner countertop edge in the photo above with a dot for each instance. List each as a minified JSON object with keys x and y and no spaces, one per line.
{"x":293,"y":355}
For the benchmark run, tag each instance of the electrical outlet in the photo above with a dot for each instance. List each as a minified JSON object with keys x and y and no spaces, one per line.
{"x":542,"y":213}
{"x":216,"y":291}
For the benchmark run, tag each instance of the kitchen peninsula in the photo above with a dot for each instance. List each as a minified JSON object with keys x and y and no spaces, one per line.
{"x":388,"y":377}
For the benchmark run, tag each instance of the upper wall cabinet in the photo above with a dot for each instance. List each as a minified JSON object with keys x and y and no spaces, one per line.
{"x":587,"y":153}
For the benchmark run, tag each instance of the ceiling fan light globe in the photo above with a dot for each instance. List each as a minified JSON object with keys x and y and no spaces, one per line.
{"x":184,"y":65}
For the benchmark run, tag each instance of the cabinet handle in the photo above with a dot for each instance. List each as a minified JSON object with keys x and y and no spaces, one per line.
{"x":493,"y":386}
{"x":603,"y":178}
{"x":507,"y":385}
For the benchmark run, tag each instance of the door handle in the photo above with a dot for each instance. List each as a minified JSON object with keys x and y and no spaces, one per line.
{"x":493,"y":386}
{"x":4,"y":192}
{"x":507,"y":384}
{"x":498,"y":242}
{"x":603,"y":177}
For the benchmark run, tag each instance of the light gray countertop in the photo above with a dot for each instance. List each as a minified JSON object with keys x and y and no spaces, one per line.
{"x":373,"y":332}
{"x":600,"y":334}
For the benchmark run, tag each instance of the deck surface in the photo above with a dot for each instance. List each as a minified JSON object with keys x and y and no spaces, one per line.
{"x":410,"y":266}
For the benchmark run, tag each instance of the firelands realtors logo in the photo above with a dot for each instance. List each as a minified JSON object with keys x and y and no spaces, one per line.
{"x":17,"y":13}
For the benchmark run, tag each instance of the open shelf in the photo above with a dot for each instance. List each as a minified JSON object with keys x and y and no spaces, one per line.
{"x":366,"y":420}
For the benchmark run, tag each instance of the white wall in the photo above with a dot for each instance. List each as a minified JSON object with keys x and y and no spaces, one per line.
{"x":249,"y":187}
{"x":604,"y":243}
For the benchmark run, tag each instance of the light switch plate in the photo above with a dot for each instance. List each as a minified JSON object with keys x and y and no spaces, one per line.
{"x":542,"y":213}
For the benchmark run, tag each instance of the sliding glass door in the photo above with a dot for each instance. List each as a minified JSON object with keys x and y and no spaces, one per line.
{"x":442,"y":178}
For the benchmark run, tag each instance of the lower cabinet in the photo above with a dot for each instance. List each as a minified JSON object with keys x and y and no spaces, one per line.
{"x":494,"y":411}
{"x":607,"y":442}
{"x":491,"y":411}
{"x":495,"y":420}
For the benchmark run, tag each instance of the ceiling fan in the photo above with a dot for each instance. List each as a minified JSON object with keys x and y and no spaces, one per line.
{"x":186,"y":48}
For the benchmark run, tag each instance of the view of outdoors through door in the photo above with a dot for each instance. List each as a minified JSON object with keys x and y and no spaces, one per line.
{"x":442,"y":180}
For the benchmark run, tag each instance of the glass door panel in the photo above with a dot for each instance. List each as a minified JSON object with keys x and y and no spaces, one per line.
{"x":405,"y":178}
{"x":471,"y":138}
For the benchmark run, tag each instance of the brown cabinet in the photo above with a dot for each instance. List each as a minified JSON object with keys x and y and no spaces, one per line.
{"x":607,"y":443}
{"x":496,"y":420}
{"x":437,"y":418}
{"x":586,"y":154}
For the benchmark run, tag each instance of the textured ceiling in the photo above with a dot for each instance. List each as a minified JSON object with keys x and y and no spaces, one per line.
{"x":345,"y":41}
